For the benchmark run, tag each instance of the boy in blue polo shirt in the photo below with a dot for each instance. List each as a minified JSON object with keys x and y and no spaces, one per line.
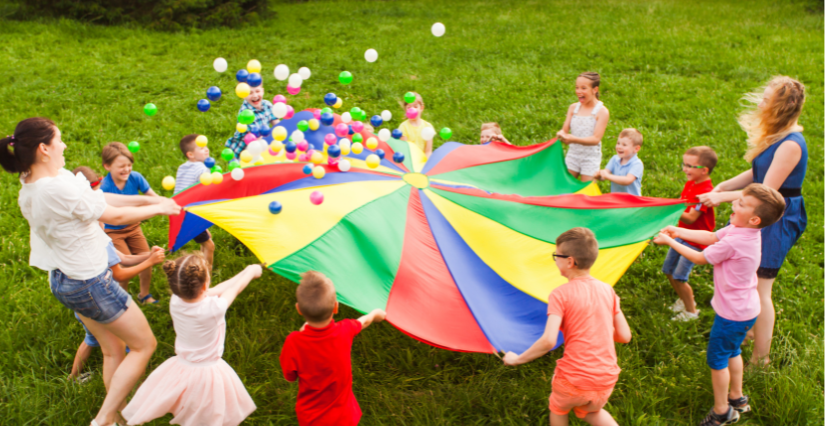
{"x":624,"y":170}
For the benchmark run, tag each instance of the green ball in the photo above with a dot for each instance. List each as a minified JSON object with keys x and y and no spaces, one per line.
{"x":234,"y":164}
{"x":355,"y":112}
{"x":133,"y":146}
{"x":303,"y":125}
{"x":357,"y":138}
{"x":227,"y":154}
{"x":150,"y":109}
{"x":246,"y":117}
{"x":326,"y":110}
{"x":446,"y":133}
{"x":217,"y":168}
{"x":409,"y":97}
{"x":345,"y":77}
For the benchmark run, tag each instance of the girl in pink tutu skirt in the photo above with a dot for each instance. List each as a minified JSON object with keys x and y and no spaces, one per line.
{"x":197,"y":386}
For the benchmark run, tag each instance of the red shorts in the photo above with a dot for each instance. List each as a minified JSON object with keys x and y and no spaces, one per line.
{"x":565,"y":397}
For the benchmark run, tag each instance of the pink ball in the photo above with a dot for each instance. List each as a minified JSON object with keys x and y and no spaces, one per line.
{"x":302,"y":146}
{"x":289,"y":112}
{"x":316,"y":198}
{"x":412,"y":113}
{"x":309,"y":154}
{"x":290,"y":155}
{"x":249,"y":137}
{"x":279,"y":98}
{"x":357,"y":127}
{"x":342,"y":130}
{"x":317,"y":114}
{"x":272,"y":153}
{"x":302,"y":157}
{"x":332,"y":161}
{"x":330,"y":139}
{"x":293,"y":90}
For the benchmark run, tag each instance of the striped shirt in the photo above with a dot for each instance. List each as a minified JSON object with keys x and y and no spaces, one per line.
{"x":262,"y":116}
{"x":188,"y":174}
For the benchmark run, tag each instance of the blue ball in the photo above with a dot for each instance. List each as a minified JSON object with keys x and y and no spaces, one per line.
{"x":307,"y":169}
{"x":254,"y":80}
{"x":398,"y":157}
{"x":203,"y":105}
{"x":254,"y":129}
{"x":241,"y":75}
{"x":275,"y":207}
{"x":264,"y":130}
{"x":334,"y":150}
{"x":376,"y":120}
{"x":327,"y":119}
{"x":352,"y":132}
{"x":209,"y":162}
{"x":330,"y":99}
{"x":213,"y":93}
{"x":397,"y":134}
{"x":290,"y":146}
{"x":380,"y":153}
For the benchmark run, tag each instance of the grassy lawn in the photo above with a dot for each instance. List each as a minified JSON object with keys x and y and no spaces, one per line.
{"x":674,"y":70}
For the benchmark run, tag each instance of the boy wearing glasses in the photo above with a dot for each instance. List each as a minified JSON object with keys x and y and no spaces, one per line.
{"x":697,"y":163}
{"x":587,"y":311}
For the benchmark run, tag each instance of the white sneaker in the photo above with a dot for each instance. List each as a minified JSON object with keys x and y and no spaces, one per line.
{"x":677,"y":307}
{"x":686,"y":316}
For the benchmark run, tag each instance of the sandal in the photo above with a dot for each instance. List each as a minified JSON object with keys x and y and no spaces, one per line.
{"x":148,"y":296}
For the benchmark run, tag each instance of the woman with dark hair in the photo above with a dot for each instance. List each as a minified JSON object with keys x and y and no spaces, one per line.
{"x":779,"y":159}
{"x":63,"y":213}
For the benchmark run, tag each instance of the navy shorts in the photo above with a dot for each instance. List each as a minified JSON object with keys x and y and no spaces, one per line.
{"x":726,"y":339}
{"x":677,"y":265}
{"x":100,"y":298}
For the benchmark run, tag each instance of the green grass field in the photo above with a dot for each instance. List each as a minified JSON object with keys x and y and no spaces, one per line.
{"x":674,"y":70}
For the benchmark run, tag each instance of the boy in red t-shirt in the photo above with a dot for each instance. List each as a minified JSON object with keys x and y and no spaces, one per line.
{"x":587,"y":311}
{"x":318,"y":355}
{"x":697,"y":163}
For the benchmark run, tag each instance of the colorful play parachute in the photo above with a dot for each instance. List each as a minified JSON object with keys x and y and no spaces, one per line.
{"x":456,"y":249}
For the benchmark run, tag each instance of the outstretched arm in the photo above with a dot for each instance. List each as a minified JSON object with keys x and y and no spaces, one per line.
{"x":155,"y":257}
{"x":544,"y":344}
{"x":377,"y":315}
{"x":688,"y":253}
{"x":230,"y":289}
{"x":128,"y":215}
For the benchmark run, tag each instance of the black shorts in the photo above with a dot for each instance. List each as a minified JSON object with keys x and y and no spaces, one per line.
{"x":203,"y":237}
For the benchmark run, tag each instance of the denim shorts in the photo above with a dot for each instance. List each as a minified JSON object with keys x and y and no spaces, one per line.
{"x":726,"y":337}
{"x":677,"y":265}
{"x":100,"y":298}
{"x":90,"y":339}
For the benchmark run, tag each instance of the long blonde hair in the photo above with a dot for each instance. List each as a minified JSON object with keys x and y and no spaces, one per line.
{"x":777,"y":119}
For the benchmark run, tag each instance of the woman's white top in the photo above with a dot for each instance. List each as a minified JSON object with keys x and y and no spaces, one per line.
{"x":62,"y":212}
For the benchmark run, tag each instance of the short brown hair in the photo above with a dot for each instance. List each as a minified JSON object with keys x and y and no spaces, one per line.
{"x":316,"y":296}
{"x":112,"y":150}
{"x":90,"y":175}
{"x":581,"y":245}
{"x":771,"y":203}
{"x":634,"y":135}
{"x":492,"y":125}
{"x":707,"y":156}
{"x":187,"y":274}
{"x":187,"y":144}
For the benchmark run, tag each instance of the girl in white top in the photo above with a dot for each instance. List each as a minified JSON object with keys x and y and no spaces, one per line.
{"x":63,"y":213}
{"x":584,"y":127}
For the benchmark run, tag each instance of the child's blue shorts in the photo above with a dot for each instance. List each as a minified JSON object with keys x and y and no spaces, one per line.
{"x":89,"y":339}
{"x":677,"y":265}
{"x":726,"y":338}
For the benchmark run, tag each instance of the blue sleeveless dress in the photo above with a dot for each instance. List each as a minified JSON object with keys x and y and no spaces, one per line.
{"x":778,"y":238}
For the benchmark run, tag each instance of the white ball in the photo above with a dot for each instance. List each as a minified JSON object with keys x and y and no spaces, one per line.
{"x":295,"y":80}
{"x":346,"y":117}
{"x":237,"y":173}
{"x":371,"y":55}
{"x":297,"y":136}
{"x":258,"y":159}
{"x":279,"y":110}
{"x":344,"y":144}
{"x":304,"y":72}
{"x":282,"y":72}
{"x":220,"y":65}
{"x":386,"y":115}
{"x":255,"y":148}
{"x":343,"y":165}
{"x":427,"y":133}
{"x":438,"y":29}
{"x":384,"y":134}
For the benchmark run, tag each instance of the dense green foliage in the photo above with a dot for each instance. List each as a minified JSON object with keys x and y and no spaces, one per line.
{"x":674,"y":70}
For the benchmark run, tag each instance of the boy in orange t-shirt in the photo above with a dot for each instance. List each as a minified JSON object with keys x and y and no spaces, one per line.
{"x":587,"y":311}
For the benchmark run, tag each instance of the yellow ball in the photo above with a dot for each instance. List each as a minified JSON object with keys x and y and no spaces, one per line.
{"x":338,"y":103}
{"x":201,"y":141}
{"x":168,"y":183}
{"x":253,"y":66}
{"x":242,"y":90}
{"x":276,"y":146}
{"x":246,"y":157}
{"x":279,"y":133}
{"x":318,"y":172}
{"x":260,"y":161}
{"x":357,"y":148}
{"x":216,"y":177}
{"x":317,"y":158}
{"x":372,"y":143}
{"x":206,"y":178}
{"x":344,"y":149}
{"x":241,"y":128}
{"x":314,"y":124}
{"x":373,"y":161}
